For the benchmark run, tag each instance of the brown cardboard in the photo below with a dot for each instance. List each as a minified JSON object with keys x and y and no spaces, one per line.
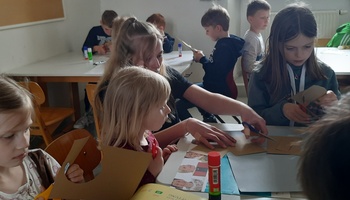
{"x":284,"y":145}
{"x":243,"y":147}
{"x":309,"y":95}
{"x":121,"y":173}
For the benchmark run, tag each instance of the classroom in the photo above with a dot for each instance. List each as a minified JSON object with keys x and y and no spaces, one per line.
{"x":53,"y":39}
{"x":28,"y":43}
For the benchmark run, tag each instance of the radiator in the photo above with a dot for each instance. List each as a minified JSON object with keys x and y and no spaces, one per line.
{"x":327,"y":23}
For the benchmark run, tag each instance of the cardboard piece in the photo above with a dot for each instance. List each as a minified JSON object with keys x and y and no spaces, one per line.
{"x":309,"y":95}
{"x":243,"y":147}
{"x":200,"y":148}
{"x":284,"y":145}
{"x":121,"y":173}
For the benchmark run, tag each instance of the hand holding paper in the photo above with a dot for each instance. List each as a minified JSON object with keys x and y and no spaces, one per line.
{"x":294,"y":112}
{"x":327,"y":99}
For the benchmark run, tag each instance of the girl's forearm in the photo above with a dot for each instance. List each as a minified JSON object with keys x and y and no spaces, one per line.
{"x":169,"y":135}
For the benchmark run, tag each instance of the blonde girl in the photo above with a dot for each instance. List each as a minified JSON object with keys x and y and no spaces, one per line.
{"x":135,"y":104}
{"x":21,"y":170}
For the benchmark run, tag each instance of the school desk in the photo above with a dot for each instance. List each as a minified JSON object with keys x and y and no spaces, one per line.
{"x":338,"y":60}
{"x":253,"y":173}
{"x":71,"y":67}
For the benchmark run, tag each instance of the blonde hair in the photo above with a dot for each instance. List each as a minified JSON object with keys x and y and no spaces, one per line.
{"x":13,"y":96}
{"x":117,"y":23}
{"x":135,"y":41}
{"x":130,"y":95}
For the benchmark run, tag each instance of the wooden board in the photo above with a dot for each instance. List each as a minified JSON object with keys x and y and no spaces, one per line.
{"x":15,"y":12}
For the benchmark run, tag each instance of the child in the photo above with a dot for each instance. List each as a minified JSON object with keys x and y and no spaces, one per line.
{"x":158,"y":20}
{"x":140,"y":44}
{"x":99,"y":37}
{"x":222,"y":60}
{"x":135,"y":104}
{"x":99,"y":40}
{"x":325,"y":161}
{"x":21,"y":175}
{"x":258,"y":14}
{"x":290,"y":66}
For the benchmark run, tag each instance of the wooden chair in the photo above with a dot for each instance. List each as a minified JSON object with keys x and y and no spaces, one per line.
{"x":245,"y":77}
{"x":90,"y":91}
{"x":47,"y":119}
{"x":322,"y":42}
{"x":89,"y":157}
{"x":234,"y":92}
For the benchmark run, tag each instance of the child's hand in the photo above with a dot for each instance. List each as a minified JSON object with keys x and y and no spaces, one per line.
{"x":294,"y":113}
{"x":157,"y":163}
{"x":168,"y":150}
{"x":327,"y":99}
{"x":197,"y":55}
{"x":108,"y":46}
{"x":100,"y":49}
{"x":75,"y":174}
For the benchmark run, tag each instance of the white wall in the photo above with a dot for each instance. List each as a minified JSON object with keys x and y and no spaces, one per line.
{"x":25,"y":45}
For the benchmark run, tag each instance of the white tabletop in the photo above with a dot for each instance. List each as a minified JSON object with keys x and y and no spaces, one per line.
{"x":170,"y":168}
{"x":338,"y":60}
{"x":73,"y":64}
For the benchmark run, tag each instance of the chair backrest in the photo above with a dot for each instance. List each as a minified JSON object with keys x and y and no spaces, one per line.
{"x":232,"y":84}
{"x":90,"y":91}
{"x":35,"y":89}
{"x":245,"y":77}
{"x":38,"y":126}
{"x":89,"y":157}
{"x":322,"y":42}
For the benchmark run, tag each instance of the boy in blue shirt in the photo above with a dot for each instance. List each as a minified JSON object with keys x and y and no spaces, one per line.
{"x":220,"y":62}
{"x":99,"y":40}
{"x":99,"y":37}
{"x":158,"y":20}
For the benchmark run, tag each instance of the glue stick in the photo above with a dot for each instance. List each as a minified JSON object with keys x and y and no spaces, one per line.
{"x":86,"y":53}
{"x":214,"y":175}
{"x":90,"y":55}
{"x":179,"y":48}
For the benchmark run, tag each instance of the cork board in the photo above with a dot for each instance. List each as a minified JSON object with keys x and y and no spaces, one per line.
{"x":16,"y":13}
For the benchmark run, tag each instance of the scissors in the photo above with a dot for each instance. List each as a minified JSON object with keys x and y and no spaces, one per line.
{"x":251,"y":128}
{"x":45,"y":194}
